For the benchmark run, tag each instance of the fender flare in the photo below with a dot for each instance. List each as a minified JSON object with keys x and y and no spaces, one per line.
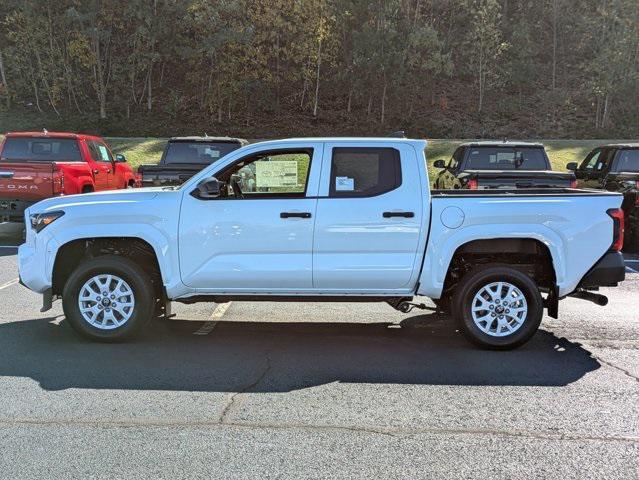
{"x":440,"y":254}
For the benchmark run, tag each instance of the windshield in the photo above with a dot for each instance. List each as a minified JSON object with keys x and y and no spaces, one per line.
{"x":198,"y":152}
{"x":506,"y":158}
{"x":40,"y":149}
{"x":628,"y":161}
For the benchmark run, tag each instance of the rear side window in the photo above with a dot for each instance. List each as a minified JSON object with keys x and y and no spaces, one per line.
{"x":22,"y":149}
{"x":364,"y":172}
{"x":496,"y":158}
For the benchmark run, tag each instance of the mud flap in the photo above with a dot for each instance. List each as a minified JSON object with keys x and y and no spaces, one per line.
{"x":552,"y":303}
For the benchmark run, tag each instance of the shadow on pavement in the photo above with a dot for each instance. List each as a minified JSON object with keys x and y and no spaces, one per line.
{"x":280,"y":357}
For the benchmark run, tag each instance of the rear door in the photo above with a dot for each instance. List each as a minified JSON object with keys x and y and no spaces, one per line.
{"x":370,"y":215}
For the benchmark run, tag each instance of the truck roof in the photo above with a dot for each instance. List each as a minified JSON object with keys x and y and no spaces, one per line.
{"x":209,"y":139}
{"x":621,"y":145}
{"x":502,"y":143}
{"x":45,"y":134}
{"x":420,"y":144}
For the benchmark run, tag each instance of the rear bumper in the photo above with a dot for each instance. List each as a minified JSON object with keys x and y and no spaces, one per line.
{"x":609,"y":271}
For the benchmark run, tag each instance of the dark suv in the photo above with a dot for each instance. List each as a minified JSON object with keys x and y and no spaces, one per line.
{"x":615,"y":168}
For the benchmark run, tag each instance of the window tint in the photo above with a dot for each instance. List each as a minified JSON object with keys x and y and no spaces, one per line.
{"x":99,"y":152}
{"x":269,"y":174}
{"x":496,"y":158}
{"x":364,"y":172}
{"x":457,"y":158}
{"x":18,"y":149}
{"x":628,"y":161}
{"x":198,"y":152}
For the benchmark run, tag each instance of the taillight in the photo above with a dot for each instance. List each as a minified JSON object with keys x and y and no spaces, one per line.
{"x":473,"y":184}
{"x":618,"y":227}
{"x":57,"y":178}
{"x":573,"y":183}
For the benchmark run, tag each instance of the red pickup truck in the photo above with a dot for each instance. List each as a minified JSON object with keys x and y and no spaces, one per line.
{"x":39,"y":165}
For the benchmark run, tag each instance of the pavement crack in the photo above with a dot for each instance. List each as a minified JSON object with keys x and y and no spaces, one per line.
{"x":229,"y":405}
{"x":628,"y":373}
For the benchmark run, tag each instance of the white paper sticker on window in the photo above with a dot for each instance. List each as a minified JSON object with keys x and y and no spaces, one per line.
{"x":212,"y":153}
{"x":344,"y":184}
{"x":276,"y":173}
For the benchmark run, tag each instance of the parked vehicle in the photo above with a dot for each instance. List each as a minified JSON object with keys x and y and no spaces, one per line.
{"x":324,"y":219}
{"x":39,"y":165}
{"x":183,"y":157}
{"x":506,"y":164}
{"x":615,"y":168}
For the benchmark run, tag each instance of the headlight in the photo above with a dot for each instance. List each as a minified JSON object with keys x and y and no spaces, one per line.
{"x":41,"y":220}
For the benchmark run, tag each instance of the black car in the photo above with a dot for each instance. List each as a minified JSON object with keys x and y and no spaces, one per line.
{"x":183,"y":157}
{"x":504,"y":165}
{"x":615,"y":168}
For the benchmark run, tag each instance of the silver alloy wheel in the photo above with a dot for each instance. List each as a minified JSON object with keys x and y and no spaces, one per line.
{"x":106,"y":302}
{"x":499,"y":309}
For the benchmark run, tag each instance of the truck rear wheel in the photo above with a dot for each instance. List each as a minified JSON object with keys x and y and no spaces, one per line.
{"x":498,"y":307}
{"x":108,"y":299}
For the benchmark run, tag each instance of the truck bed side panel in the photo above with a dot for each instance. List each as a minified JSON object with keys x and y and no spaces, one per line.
{"x":575,"y":228}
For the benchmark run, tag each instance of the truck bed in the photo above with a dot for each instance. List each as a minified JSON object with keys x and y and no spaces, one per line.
{"x":528,"y":192}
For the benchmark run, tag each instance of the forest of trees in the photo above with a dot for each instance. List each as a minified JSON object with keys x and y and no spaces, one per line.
{"x":258,"y":68}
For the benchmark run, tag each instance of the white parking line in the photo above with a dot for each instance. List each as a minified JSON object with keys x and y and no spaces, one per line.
{"x":631,"y":270}
{"x":218,"y":313}
{"x":9,"y":283}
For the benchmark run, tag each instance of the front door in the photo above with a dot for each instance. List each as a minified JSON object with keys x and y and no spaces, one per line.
{"x":102,"y":166}
{"x":593,"y":169}
{"x":258,"y":234}
{"x":370,"y":219}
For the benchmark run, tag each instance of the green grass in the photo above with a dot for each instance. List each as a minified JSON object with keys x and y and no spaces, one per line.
{"x":560,"y":152}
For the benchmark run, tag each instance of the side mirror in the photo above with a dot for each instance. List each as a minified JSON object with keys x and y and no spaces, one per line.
{"x":207,"y":189}
{"x":120,"y":158}
{"x":439,"y":164}
{"x":572,"y":166}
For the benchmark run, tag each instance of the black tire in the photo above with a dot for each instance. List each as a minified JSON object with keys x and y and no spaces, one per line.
{"x":471,"y":285}
{"x":133,"y":275}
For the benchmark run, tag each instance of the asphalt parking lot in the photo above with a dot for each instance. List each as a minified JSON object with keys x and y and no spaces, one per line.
{"x":246,"y":390}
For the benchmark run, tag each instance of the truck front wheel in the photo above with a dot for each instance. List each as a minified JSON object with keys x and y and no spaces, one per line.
{"x":108,"y":299}
{"x":498,"y":307}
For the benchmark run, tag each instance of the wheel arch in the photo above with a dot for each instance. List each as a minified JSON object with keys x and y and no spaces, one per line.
{"x":437,"y":267}
{"x":143,"y":251}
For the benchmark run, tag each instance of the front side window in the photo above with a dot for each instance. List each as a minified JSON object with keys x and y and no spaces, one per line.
{"x":99,"y":152}
{"x":628,"y":161}
{"x":276,"y":174}
{"x":17,"y":149}
{"x":498,"y":158}
{"x":364,"y":172}
{"x":456,"y":158}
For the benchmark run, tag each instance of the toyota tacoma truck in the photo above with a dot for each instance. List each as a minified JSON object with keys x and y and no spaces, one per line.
{"x":323,"y":220}
{"x":183,"y":157}
{"x":38,"y":165}
{"x":505,"y":164}
{"x":615,"y":168}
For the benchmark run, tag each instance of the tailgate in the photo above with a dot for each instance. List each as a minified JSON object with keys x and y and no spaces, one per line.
{"x":30,"y":181}
{"x":161,"y":175}
{"x":523,"y":179}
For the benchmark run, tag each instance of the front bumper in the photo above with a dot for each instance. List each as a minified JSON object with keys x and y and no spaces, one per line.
{"x":609,"y":271}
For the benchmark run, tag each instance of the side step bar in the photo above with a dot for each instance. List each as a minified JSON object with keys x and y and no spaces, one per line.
{"x":596,"y":298}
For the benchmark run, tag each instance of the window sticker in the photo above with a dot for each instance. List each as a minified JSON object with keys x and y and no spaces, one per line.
{"x":212,"y":153}
{"x":276,"y":173}
{"x":344,"y":184}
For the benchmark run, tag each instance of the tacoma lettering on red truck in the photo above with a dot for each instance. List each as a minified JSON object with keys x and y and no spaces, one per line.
{"x":39,"y":165}
{"x":349,"y":219}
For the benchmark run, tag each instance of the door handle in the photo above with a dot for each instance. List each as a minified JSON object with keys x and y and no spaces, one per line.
{"x":398,"y":214}
{"x":295,"y":215}
{"x":96,"y":171}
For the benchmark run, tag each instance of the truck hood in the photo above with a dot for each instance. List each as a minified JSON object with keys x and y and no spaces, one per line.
{"x":124,"y":197}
